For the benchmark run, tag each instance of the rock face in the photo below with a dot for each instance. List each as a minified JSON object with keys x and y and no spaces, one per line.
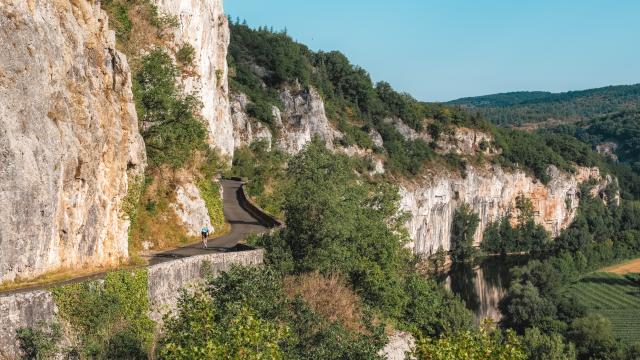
{"x":492,"y":194}
{"x":399,"y":346}
{"x":245,"y":129}
{"x":191,"y":209}
{"x":69,"y":141}
{"x":203,"y":25}
{"x":302,"y":117}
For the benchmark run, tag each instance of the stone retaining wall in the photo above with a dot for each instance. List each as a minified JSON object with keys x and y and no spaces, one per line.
{"x":28,"y":308}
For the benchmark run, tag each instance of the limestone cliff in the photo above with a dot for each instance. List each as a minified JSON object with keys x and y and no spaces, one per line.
{"x":301,"y":118}
{"x":204,"y":26}
{"x":69,"y":141}
{"x":492,"y":193}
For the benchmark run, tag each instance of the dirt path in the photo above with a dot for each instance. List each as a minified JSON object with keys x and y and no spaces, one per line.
{"x":632,"y":266}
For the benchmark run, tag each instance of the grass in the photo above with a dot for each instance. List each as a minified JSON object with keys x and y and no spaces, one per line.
{"x":615,"y":297}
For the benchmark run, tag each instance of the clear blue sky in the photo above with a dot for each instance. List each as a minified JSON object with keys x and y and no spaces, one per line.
{"x":446,"y":49}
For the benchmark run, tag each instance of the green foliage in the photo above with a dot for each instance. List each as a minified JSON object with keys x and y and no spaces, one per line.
{"x":266,"y":171}
{"x":354,"y":135}
{"x":338,"y":223}
{"x":593,"y":337}
{"x":473,"y":345}
{"x":529,"y":151}
{"x":121,"y":21}
{"x":532,"y":107}
{"x":501,"y":237}
{"x":463,"y":229}
{"x":404,"y":156}
{"x":207,"y":324}
{"x":186,"y":54}
{"x":171,"y":131}
{"x":39,"y":343}
{"x":614,"y":297}
{"x":195,"y":332}
{"x":109,"y":318}
{"x":540,"y":346}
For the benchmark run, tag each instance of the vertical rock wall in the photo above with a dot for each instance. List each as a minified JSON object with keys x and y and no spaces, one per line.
{"x":302,"y":117}
{"x":69,"y":141}
{"x":492,"y":194}
{"x":203,"y":25}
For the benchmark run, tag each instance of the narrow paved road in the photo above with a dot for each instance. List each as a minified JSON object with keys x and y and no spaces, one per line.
{"x":241,"y":221}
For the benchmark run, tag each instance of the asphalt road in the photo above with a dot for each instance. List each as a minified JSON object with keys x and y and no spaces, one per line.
{"x":242,"y":225}
{"x":241,"y":221}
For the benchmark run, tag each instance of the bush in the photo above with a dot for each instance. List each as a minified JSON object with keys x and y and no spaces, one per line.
{"x":111,"y":318}
{"x":39,"y":343}
{"x":186,"y":54}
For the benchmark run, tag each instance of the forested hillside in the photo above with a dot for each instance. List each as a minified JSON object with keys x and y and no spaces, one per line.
{"x":518,"y":108}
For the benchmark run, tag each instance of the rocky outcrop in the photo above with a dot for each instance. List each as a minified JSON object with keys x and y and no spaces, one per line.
{"x":191,"y":209}
{"x":461,"y":140}
{"x":399,"y":346}
{"x":491,"y":192}
{"x":203,"y":25}
{"x":69,"y":141}
{"x":301,"y":118}
{"x":246,"y":129}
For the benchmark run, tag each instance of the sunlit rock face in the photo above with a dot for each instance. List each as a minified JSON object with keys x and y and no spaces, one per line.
{"x":69,"y":141}
{"x":301,"y":118}
{"x":204,"y":26}
{"x":491,"y":192}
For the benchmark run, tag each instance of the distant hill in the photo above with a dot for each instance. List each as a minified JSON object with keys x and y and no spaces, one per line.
{"x":525,"y":107}
{"x":617,"y":134}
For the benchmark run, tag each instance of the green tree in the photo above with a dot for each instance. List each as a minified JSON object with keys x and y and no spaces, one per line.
{"x":593,"y":337}
{"x":463,"y":228}
{"x":195,"y":333}
{"x":540,"y":346}
{"x":170,"y":129}
{"x":472,"y":345}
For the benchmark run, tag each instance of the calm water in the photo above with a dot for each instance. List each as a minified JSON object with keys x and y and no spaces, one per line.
{"x":482,"y":284}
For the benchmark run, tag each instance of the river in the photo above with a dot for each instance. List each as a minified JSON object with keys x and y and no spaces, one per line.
{"x":483,"y":283}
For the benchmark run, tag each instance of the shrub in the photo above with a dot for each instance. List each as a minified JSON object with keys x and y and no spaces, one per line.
{"x":39,"y":343}
{"x":186,"y":54}
{"x":109,"y":318}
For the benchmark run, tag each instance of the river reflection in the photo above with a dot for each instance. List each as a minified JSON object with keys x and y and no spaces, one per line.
{"x":483,"y":283}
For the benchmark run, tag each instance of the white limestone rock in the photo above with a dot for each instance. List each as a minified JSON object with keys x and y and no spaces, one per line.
{"x":203,"y":25}
{"x":69,"y":140}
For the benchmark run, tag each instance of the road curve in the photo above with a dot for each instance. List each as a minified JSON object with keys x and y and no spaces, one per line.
{"x":242,"y":222}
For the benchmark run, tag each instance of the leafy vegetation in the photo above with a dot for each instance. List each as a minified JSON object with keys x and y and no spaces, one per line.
{"x":186,"y":54}
{"x":41,"y":342}
{"x":532,"y":107}
{"x":540,"y":296}
{"x":501,"y":237}
{"x":266,"y":173}
{"x":279,"y":326}
{"x":170,"y":129}
{"x":337,"y":223}
{"x":195,"y":332}
{"x":483,"y":344}
{"x":614,"y":297}
{"x":463,"y":229}
{"x":108,"y":318}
